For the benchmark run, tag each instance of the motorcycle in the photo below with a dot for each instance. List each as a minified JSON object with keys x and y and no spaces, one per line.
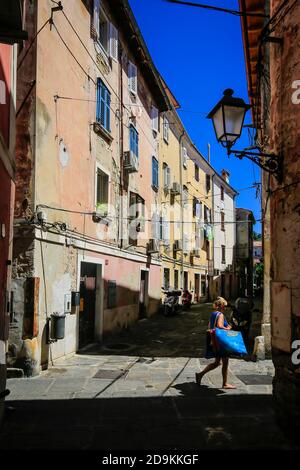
{"x":186,"y":300}
{"x":170,"y":303}
{"x":241,"y":316}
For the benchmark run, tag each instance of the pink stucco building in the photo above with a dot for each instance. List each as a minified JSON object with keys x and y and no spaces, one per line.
{"x":87,"y":147}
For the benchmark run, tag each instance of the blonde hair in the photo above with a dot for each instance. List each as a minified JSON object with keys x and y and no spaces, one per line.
{"x":220,"y":302}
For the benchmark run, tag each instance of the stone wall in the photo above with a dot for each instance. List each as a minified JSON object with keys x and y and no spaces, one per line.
{"x":285,"y":214}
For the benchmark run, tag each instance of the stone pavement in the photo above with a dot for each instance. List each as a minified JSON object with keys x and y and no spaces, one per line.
{"x":97,"y":400}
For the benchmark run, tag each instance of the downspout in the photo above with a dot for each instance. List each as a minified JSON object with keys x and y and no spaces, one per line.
{"x":121,"y":148}
{"x":181,"y":204}
{"x":213,"y":224}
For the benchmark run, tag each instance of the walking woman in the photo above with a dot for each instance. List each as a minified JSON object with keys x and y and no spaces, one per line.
{"x":217,"y":320}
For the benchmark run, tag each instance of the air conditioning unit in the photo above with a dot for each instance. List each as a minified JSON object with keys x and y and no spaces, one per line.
{"x":175,"y":188}
{"x":178,"y":245}
{"x":153,"y":246}
{"x":131,"y":162}
{"x":196,"y":253}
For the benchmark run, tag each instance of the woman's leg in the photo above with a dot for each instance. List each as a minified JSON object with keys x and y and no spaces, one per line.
{"x":208,"y":368}
{"x":225,"y":362}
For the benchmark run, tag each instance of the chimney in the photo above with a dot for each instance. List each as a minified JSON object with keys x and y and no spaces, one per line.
{"x":225,"y":175}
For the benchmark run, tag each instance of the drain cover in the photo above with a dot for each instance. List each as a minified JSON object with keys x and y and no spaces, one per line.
{"x":143,"y":360}
{"x":256,"y":379}
{"x":108,"y":374}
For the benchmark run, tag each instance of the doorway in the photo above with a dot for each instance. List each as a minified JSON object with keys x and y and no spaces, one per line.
{"x":185,"y":280}
{"x":197,"y":287}
{"x":88,"y":283}
{"x":143,"y":296}
{"x":223,"y":285}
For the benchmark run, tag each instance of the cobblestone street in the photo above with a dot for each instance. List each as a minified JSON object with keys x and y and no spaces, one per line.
{"x":144,"y":397}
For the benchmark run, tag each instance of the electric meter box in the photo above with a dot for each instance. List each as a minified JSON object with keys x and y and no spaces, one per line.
{"x":75,"y":299}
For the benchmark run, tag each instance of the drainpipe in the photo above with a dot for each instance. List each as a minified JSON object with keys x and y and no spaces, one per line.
{"x":213,"y":224}
{"x":121,"y":148}
{"x":181,"y":204}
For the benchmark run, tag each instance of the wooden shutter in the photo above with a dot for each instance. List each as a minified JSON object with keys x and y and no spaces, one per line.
{"x":154,"y":115}
{"x":166,"y":129}
{"x":95,"y":29}
{"x":132,"y":78}
{"x":113,"y":42}
{"x":184,"y":156}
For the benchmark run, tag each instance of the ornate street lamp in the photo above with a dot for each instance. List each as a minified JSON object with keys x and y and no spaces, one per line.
{"x":228,"y":119}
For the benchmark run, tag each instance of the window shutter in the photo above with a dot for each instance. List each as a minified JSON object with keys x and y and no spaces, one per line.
{"x":107,"y":110}
{"x":132,"y":78}
{"x":96,"y":20}
{"x":166,"y":129}
{"x":165,"y":231}
{"x":154,"y":172}
{"x":184,"y":156}
{"x":113,"y":42}
{"x":155,"y":226}
{"x":154,"y":115}
{"x":168,"y":177}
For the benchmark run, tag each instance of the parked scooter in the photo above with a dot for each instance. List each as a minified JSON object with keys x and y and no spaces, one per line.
{"x":170,"y":305}
{"x":241,"y":316}
{"x":186,"y":300}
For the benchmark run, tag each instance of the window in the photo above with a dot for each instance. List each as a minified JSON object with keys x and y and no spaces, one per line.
{"x":185,"y":197}
{"x":198,"y":240}
{"x":103,"y":105}
{"x":223,"y":254}
{"x":154,"y":173}
{"x":206,"y":214}
{"x":207,"y":183}
{"x":136,"y":217}
{"x":102,"y":185}
{"x":186,"y":243}
{"x":184,"y":157}
{"x":132,"y":78}
{"x":223,"y":221}
{"x":166,"y":129}
{"x":196,"y":207}
{"x":197,"y":177}
{"x":156,"y":226}
{"x":154,"y":118}
{"x":222,"y":193}
{"x":104,"y":31}
{"x":134,"y":140}
{"x":164,"y":230}
{"x":167,"y":176}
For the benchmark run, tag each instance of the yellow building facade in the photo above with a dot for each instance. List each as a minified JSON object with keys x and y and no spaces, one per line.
{"x":186,"y":211}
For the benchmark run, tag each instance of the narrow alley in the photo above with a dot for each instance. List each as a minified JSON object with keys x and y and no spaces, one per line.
{"x":138,"y":391}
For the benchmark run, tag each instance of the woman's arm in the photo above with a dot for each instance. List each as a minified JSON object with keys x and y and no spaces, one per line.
{"x":220,"y":323}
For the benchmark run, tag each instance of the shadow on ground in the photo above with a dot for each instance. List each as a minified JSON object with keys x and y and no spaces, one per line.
{"x":200,"y":419}
{"x":182,"y":335}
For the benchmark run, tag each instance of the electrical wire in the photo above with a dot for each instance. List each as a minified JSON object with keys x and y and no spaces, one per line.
{"x":214,"y":8}
{"x":69,"y":50}
{"x":32,"y":42}
{"x":138,"y":220}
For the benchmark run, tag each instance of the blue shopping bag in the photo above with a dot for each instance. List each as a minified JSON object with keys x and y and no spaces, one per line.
{"x":230,"y":343}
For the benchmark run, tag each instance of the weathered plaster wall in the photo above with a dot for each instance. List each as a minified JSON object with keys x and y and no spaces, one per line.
{"x":284,"y":209}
